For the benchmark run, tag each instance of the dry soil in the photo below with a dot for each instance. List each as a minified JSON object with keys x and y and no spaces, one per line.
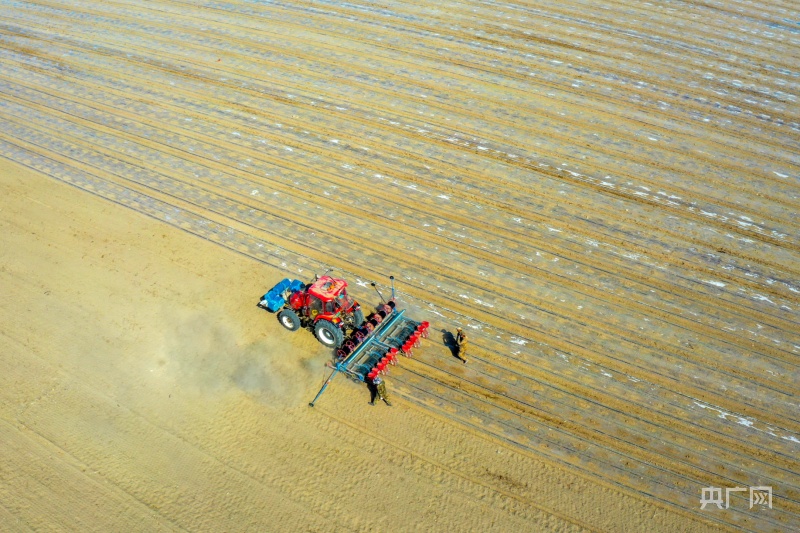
{"x":604,"y":196}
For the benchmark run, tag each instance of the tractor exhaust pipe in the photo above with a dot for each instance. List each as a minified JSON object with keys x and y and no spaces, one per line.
{"x":324,"y":274}
{"x":391,"y":278}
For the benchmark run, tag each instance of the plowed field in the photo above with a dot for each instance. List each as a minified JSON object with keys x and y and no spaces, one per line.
{"x":605,"y":196}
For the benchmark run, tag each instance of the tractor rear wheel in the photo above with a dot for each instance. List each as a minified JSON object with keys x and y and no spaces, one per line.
{"x":358,"y":319}
{"x":289,"y":319}
{"x":328,"y":334}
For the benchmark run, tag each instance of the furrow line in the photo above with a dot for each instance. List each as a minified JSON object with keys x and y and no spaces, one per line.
{"x":617,"y":468}
{"x":236,"y":212}
{"x":567,"y":83}
{"x":751,"y":258}
{"x":453,"y":302}
{"x":246,"y":49}
{"x":486,"y":257}
{"x":684,"y":462}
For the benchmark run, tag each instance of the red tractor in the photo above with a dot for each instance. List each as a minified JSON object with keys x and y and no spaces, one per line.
{"x":322,"y":306}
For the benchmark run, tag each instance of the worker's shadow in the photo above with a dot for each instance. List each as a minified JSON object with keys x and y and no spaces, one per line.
{"x":449,"y":340}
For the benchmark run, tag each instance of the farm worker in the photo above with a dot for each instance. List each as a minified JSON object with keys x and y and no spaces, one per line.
{"x":461,"y":342}
{"x":373,"y":390}
{"x":378,"y":389}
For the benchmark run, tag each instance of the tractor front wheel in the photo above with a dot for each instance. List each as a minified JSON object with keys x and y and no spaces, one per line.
{"x":289,"y":319}
{"x":328,"y":334}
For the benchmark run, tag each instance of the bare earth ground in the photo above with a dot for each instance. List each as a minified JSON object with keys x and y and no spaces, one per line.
{"x":605,"y":196}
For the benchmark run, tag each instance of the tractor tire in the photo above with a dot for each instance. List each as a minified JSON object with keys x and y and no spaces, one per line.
{"x":358,"y":319}
{"x":289,"y":319}
{"x":328,"y":334}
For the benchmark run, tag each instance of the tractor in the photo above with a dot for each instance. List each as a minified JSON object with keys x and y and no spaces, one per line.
{"x":322,"y":306}
{"x":364,"y":349}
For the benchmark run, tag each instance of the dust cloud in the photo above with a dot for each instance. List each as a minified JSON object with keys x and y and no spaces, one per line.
{"x":204,"y":353}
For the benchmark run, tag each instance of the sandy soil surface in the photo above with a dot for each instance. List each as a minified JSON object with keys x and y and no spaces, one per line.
{"x":605,"y":197}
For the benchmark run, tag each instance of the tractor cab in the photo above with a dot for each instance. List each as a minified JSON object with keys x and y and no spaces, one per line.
{"x":328,"y":295}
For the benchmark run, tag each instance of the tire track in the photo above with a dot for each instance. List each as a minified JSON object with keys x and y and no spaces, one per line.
{"x":620,"y":471}
{"x":684,"y":465}
{"x":443,"y":467}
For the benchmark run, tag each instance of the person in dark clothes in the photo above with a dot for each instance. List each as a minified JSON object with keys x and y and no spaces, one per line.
{"x":377,"y":388}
